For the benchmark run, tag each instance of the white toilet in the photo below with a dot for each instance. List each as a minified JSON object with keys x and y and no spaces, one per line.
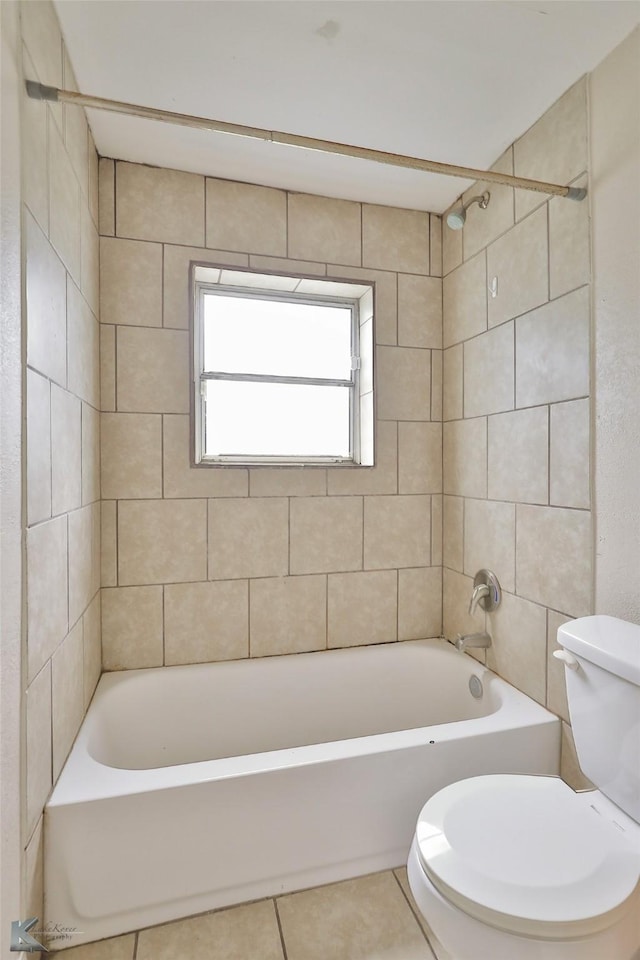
{"x":509,"y":867}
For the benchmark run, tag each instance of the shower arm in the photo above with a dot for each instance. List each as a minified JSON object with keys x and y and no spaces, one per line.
{"x":39,"y":91}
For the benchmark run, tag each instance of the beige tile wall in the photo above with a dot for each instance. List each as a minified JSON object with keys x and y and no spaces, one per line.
{"x":213,"y":563}
{"x":63,"y":643}
{"x":516,"y":407}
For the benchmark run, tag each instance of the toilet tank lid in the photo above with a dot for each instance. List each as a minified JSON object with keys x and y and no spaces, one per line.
{"x":608,"y":642}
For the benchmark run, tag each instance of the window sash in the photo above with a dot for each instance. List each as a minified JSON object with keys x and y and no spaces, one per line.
{"x":203,"y":289}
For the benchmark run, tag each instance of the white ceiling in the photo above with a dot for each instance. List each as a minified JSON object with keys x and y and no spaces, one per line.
{"x":448,"y":80}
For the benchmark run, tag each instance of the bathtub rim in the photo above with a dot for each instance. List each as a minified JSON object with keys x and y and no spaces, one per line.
{"x":84,"y":779}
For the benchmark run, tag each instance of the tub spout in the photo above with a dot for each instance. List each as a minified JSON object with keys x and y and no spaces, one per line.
{"x":479,"y":591}
{"x":472,"y":640}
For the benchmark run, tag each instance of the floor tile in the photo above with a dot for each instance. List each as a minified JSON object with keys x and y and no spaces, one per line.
{"x":248,"y":932}
{"x":363,"y":919}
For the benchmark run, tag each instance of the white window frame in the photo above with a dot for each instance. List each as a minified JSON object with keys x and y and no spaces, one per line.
{"x":208,"y":281}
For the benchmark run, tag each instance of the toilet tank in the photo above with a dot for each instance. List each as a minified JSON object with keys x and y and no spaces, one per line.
{"x":604,"y":704}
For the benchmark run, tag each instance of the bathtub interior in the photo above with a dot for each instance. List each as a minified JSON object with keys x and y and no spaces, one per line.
{"x":194,"y":713}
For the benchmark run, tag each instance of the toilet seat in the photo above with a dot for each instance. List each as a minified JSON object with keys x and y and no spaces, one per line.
{"x":527,"y":855}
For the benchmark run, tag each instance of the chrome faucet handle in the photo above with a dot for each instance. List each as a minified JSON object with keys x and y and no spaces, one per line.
{"x":486,"y":591}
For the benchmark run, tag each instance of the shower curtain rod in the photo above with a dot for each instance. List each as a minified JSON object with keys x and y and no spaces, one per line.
{"x":39,"y":91}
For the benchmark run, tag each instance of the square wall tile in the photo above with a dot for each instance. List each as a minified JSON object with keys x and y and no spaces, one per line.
{"x":464,"y":300}
{"x":556,"y":680}
{"x":108,"y":544}
{"x":64,"y":205}
{"x":490,"y":539}
{"x":106,"y":197}
{"x":404,"y":383}
{"x":67,"y":695}
{"x":83,"y":348}
{"x":66,"y":451}
{"x":35,"y":184}
{"x":451,"y":243}
{"x":419,"y":311}
{"x":435,"y":237}
{"x":38,"y":465}
{"x":552,"y":351}
{"x":453,"y":533}
{"x":152,"y":370}
{"x":47,"y":587}
{"x":569,"y":243}
{"x":519,"y":262}
{"x":553,"y":558}
{"x":436,"y":384}
{"x":452,"y":383}
{"x":569,"y":456}
{"x":182,"y":479}
{"x":89,"y":260}
{"x":240,"y":933}
{"x":367,"y":918}
{"x":176,"y":294}
{"x":464,"y":446}
{"x":395,"y":239}
{"x":483,"y":226}
{"x":92,"y":648}
{"x":131,"y":454}
{"x":382,"y":478}
{"x":107,"y":368}
{"x":246,"y":217}
{"x":518,"y":650}
{"x":397,"y":532}
{"x":324,"y":230}
{"x":488,"y":372}
{"x":363,"y":608}
{"x":248,"y":538}
{"x":326,"y":534}
{"x":162,"y":541}
{"x":132,"y":628}
{"x":288,"y":615}
{"x":555,"y":147}
{"x":153,"y":203}
{"x":46,"y":289}
{"x":84,"y":559}
{"x":38,"y":737}
{"x":130,"y":282}
{"x":419,"y":458}
{"x":519,"y":456}
{"x":90,"y":454}
{"x":288,"y":481}
{"x":206,"y":621}
{"x":436,"y":530}
{"x":419,"y":603}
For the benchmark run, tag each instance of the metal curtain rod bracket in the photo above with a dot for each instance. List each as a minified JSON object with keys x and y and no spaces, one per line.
{"x":39,"y":91}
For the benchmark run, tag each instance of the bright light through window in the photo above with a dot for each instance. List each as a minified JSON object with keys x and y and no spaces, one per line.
{"x":277,"y":369}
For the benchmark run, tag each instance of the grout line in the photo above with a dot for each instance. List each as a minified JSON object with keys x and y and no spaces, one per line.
{"x":135,"y":945}
{"x":411,"y":907}
{"x":280,"y":931}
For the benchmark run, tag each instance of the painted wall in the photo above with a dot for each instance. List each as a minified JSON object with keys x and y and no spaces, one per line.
{"x":61,"y":660}
{"x":210,"y":564}
{"x":516,"y":407}
{"x":615,"y":185}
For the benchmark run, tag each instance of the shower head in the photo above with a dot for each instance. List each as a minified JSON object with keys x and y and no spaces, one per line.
{"x":456,"y":218}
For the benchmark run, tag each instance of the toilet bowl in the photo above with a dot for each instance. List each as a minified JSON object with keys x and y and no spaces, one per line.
{"x":509,"y":867}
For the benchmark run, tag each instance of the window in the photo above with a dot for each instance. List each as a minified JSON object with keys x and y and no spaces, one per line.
{"x":282,"y":369}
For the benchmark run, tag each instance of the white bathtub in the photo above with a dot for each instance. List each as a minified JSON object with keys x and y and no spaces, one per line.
{"x":195,"y":787}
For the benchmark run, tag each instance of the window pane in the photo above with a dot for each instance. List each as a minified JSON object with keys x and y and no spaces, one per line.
{"x":276,"y":419}
{"x":287,"y":339}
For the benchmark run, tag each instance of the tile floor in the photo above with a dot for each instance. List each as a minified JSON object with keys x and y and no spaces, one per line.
{"x":369,"y":918}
